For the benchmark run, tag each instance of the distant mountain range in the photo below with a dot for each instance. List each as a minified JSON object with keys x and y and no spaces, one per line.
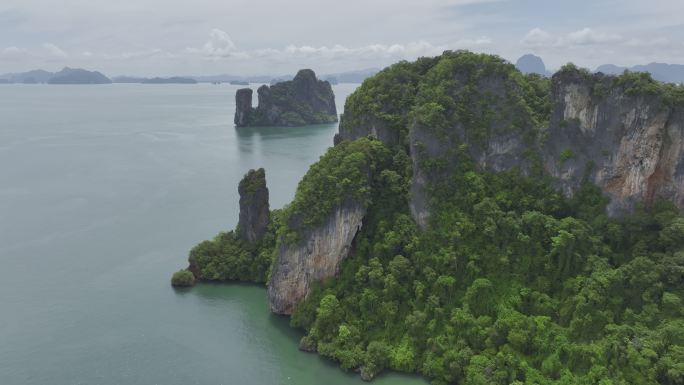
{"x":171,"y":80}
{"x":65,"y":76}
{"x":81,"y":76}
{"x":78,"y":76}
{"x":30,"y":77}
{"x":341,"y":77}
{"x":670,"y":73}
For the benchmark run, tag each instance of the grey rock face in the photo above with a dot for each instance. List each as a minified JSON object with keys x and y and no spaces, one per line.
{"x":254,"y":209}
{"x":297,"y":102}
{"x":314,"y":257}
{"x":632,"y":146}
{"x":370,"y":126}
{"x":243,"y":106}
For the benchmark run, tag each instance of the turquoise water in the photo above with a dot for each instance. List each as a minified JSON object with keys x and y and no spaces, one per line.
{"x":103,"y":190}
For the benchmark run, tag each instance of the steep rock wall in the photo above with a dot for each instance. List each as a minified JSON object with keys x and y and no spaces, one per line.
{"x":254,"y":209}
{"x":314,"y":257}
{"x":629,"y":144}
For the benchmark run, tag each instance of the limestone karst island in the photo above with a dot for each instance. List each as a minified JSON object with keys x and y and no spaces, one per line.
{"x":477,"y":225}
{"x":297,"y":102}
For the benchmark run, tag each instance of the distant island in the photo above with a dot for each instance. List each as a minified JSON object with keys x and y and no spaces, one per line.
{"x":670,"y":73}
{"x":171,"y":80}
{"x":531,"y":64}
{"x":663,"y":72}
{"x":65,"y":76}
{"x":128,"y":79}
{"x":297,"y":102}
{"x":78,"y":76}
{"x":40,"y":76}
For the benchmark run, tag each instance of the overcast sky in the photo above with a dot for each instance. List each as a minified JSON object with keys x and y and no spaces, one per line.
{"x":201,"y":37}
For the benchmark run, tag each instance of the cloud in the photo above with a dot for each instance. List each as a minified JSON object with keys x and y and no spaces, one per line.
{"x":588,"y":36}
{"x":138,"y":54}
{"x":336,"y":51}
{"x":13,"y":53}
{"x":538,"y":38}
{"x":220,"y":46}
{"x":54,"y":51}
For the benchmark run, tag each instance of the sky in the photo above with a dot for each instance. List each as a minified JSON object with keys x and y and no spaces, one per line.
{"x":250,"y":37}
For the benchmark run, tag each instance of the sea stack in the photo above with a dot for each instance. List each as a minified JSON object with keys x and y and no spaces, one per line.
{"x":254,"y":209}
{"x":243,"y":106}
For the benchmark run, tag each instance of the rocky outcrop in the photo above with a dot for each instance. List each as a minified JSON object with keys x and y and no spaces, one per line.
{"x":297,"y":102}
{"x":314,"y":257}
{"x":631,"y":144}
{"x":254,"y":210}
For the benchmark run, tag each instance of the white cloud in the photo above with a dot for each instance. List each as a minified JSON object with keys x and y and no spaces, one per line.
{"x":538,"y":38}
{"x":588,"y":36}
{"x":219,"y":45}
{"x":13,"y":53}
{"x":379,"y":50}
{"x":54,"y":51}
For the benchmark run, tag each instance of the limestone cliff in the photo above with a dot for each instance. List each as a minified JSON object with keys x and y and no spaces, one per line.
{"x":243,"y":106}
{"x":254,"y":210}
{"x":319,"y":226}
{"x":629,"y":143}
{"x":312,"y":258}
{"x":297,"y":102}
{"x":620,"y":133}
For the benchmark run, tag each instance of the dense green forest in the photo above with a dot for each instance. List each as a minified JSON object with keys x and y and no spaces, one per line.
{"x":510,"y":283}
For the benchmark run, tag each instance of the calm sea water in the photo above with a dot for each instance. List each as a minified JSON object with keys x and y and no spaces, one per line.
{"x":103,"y":190}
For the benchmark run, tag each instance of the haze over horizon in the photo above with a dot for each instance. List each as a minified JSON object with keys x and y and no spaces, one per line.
{"x":248,"y":38}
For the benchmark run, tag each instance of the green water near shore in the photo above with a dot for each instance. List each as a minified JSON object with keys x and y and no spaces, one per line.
{"x":103,"y":190}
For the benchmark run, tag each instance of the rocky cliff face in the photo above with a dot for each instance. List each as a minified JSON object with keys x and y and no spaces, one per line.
{"x":627,"y":140}
{"x":314,"y":257}
{"x":301,"y":101}
{"x":254,"y":211}
{"x":243,"y":106}
{"x":629,"y":144}
{"x":497,"y":146}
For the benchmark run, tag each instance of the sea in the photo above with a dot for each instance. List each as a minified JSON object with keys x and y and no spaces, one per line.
{"x":103,"y":191}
